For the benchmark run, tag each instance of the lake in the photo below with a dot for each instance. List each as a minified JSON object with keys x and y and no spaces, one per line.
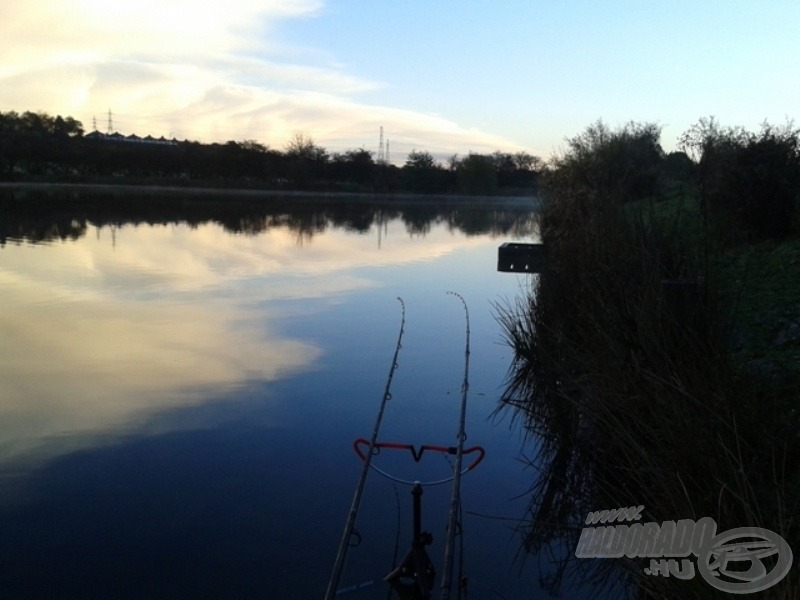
{"x":182,"y":381}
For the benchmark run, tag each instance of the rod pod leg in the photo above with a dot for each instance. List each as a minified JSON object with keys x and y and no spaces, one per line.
{"x":413,"y":579}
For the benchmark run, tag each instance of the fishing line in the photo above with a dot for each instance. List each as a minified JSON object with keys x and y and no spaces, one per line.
{"x":396,"y":538}
{"x":338,"y":566}
{"x":455,"y":499}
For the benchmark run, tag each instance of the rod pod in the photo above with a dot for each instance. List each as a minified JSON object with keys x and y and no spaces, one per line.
{"x":415,"y":576}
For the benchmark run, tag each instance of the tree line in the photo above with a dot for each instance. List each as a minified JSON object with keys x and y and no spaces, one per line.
{"x":37,"y":146}
{"x":747,"y":183}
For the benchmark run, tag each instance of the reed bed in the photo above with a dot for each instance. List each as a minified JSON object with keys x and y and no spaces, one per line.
{"x":625,"y":379}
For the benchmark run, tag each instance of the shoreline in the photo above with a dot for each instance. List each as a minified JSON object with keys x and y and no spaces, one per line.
{"x":533,"y":201}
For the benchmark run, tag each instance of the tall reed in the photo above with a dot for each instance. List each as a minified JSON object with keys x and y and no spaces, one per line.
{"x":624,"y":379}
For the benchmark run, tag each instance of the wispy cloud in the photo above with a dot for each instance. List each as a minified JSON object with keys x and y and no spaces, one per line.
{"x":200,"y":70}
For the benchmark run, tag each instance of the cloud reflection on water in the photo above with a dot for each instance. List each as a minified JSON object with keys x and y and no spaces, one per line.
{"x":103,"y":333}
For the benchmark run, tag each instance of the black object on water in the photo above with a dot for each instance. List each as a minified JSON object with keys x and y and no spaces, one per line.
{"x":516,"y":257}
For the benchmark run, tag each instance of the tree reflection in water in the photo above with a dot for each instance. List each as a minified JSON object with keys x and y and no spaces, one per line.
{"x":36,"y":216}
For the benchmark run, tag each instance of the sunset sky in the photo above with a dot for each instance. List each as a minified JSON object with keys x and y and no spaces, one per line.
{"x":439,"y":75}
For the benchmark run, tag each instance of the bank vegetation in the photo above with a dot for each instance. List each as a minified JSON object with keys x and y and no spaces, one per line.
{"x":41,"y":148}
{"x":657,"y":356}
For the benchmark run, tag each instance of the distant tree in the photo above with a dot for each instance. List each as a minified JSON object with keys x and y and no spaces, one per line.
{"x":503,"y":161}
{"x":306,"y":160}
{"x":528,"y":162}
{"x":9,"y":123}
{"x":423,"y":175}
{"x":356,"y":166}
{"x":253,"y":146}
{"x":246,"y":159}
{"x":420,"y":160}
{"x":67,"y":127}
{"x":33,"y":142}
{"x":301,"y":145}
{"x":36,"y":143}
{"x":505,"y":167}
{"x":478,"y":173}
{"x":40,"y":122}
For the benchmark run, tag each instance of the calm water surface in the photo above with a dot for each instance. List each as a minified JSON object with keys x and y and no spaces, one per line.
{"x":180,"y":396}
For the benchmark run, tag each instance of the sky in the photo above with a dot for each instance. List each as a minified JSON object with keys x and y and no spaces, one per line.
{"x":443,"y":76}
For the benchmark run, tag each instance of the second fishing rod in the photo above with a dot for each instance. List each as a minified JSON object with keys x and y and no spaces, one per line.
{"x":410,"y":579}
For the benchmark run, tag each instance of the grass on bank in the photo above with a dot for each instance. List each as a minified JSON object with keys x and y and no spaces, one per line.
{"x":760,"y":280}
{"x":652,"y":367}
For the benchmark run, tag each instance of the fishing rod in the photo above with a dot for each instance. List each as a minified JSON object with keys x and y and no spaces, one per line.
{"x":338,"y":566}
{"x":414,"y":577}
{"x":455,"y":498}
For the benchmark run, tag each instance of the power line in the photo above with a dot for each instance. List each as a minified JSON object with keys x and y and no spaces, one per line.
{"x":340,"y":140}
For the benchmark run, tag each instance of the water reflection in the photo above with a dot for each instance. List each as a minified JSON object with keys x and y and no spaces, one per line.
{"x":99,"y":338}
{"x":37,"y":216}
{"x":127,"y":318}
{"x":180,"y":395}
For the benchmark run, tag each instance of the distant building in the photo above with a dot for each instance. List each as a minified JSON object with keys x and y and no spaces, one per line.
{"x":129,"y":139}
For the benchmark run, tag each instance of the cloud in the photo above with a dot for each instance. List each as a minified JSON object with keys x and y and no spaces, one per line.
{"x":204,"y":71}
{"x":62,"y":30}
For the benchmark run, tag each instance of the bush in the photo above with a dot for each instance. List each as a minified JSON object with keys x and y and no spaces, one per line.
{"x":624,"y":378}
{"x":749,"y":182}
{"x":618,"y":165}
